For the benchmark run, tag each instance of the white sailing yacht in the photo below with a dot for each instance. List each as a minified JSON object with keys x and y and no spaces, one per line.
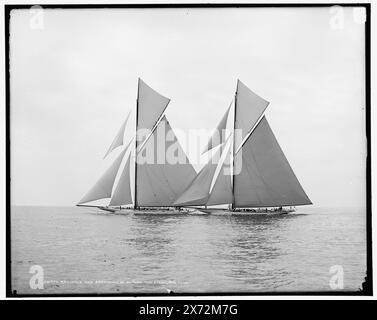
{"x":143,"y":185}
{"x":261,"y":179}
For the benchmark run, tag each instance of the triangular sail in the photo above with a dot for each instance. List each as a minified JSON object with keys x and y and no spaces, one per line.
{"x":122,"y":193}
{"x":249,"y":108}
{"x":266,"y":178}
{"x":151,"y":105}
{"x":222,"y":192}
{"x":103,"y":187}
{"x":198,"y":192}
{"x":118,"y":140}
{"x":218,"y":136}
{"x":160,"y":182}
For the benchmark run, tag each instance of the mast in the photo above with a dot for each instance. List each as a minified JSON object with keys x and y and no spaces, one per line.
{"x":136,"y":144}
{"x":150,"y":105}
{"x":234,"y":145}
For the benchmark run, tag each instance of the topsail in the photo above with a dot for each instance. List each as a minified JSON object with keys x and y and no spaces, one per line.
{"x":151,"y":106}
{"x":249,"y":108}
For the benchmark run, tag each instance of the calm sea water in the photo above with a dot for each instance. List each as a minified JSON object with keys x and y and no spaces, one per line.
{"x":87,"y":251}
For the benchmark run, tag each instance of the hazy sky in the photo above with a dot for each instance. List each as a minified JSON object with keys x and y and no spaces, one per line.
{"x":74,"y":80}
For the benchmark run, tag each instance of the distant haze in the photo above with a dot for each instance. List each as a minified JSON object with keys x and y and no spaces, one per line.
{"x":74,"y":80}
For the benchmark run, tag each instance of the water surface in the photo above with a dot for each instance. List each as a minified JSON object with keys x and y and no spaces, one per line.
{"x":82,"y":250}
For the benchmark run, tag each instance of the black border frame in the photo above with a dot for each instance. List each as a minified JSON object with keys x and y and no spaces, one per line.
{"x":367,"y":285}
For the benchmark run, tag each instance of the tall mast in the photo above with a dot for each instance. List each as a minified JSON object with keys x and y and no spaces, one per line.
{"x":136,"y":144}
{"x":234,"y":145}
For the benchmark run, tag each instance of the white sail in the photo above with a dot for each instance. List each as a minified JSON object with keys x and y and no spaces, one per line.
{"x":103,"y":187}
{"x":266,"y":178}
{"x":222,"y":192}
{"x":218,"y":136}
{"x":249,"y":108}
{"x":159,"y":184}
{"x":151,"y":105}
{"x":122,"y":193}
{"x":118,"y":140}
{"x":197,"y":193}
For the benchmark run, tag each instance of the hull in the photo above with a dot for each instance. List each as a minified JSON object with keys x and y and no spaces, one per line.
{"x":158,"y":211}
{"x":107,"y":209}
{"x":196,"y":211}
{"x":248,"y":211}
{"x":199,"y":212}
{"x":265,"y":210}
{"x":142,"y":211}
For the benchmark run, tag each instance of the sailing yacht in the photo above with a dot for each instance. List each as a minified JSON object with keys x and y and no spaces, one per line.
{"x":252,"y":173}
{"x":143,"y":186}
{"x":262,"y":179}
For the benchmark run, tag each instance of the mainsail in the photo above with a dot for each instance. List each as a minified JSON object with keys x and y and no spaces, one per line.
{"x":159,"y":184}
{"x":118,"y":140}
{"x":266,"y":178}
{"x":103,"y":187}
{"x":248,"y":109}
